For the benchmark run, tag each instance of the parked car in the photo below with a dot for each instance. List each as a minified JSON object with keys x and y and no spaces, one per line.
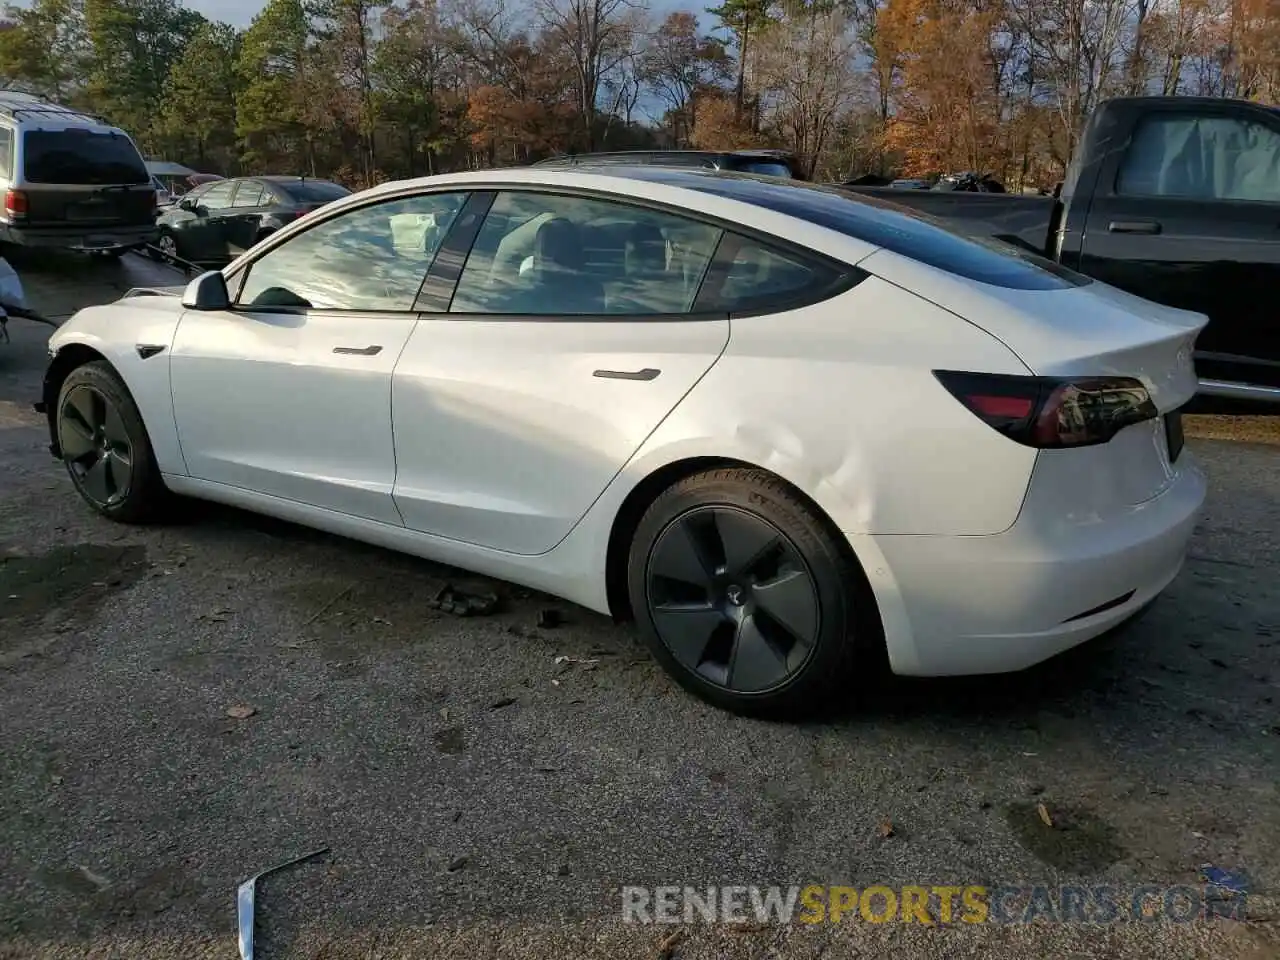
{"x":773,"y":163}
{"x":1175,"y":199}
{"x":163,"y":196}
{"x":70,"y":180}
{"x":215,"y":222}
{"x":793,"y":432}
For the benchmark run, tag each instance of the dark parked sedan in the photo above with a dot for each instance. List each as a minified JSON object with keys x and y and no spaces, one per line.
{"x":216,"y":222}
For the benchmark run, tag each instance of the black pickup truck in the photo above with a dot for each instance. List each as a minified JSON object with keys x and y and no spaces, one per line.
{"x":1176,"y":199}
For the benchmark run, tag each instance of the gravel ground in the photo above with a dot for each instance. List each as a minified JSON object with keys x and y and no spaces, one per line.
{"x":479,"y":799}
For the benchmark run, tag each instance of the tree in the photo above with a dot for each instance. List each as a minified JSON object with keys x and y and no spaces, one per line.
{"x":744,"y":19}
{"x":343,"y":29}
{"x":807,"y":59}
{"x":45,"y":48}
{"x":409,"y":70}
{"x":596,"y":37}
{"x":133,"y":45}
{"x":679,"y":62}
{"x":271,"y":108}
{"x":198,"y":109}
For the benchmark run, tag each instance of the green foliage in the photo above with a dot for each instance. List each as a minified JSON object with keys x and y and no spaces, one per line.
{"x":44,"y":49}
{"x":133,"y":45}
{"x":198,"y":111}
{"x":272,"y":73}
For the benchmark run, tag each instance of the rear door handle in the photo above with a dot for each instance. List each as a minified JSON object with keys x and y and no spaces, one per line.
{"x":369,"y":351}
{"x":1133,"y":226}
{"x":648,"y":373}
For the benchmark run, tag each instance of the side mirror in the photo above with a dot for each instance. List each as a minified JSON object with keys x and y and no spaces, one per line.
{"x":207,"y":292}
{"x":186,"y":204}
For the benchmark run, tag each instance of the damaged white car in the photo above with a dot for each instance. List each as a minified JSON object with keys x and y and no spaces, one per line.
{"x":795,"y":433}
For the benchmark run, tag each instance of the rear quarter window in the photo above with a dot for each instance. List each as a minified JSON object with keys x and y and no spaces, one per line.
{"x":81,"y":156}
{"x":941,"y":244}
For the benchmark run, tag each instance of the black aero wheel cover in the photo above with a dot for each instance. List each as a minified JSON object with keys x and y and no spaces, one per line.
{"x":732,"y":599}
{"x":95,"y":445}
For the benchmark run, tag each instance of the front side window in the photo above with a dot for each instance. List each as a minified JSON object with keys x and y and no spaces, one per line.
{"x":373,"y":258}
{"x":249,"y":194}
{"x":81,"y":156}
{"x":218,"y":196}
{"x":1202,"y":158}
{"x":541,"y":254}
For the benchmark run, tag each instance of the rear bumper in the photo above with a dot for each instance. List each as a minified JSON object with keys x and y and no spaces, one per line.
{"x":995,"y":604}
{"x":79,"y":237}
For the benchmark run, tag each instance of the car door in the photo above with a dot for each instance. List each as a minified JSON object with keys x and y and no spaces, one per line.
{"x":569,"y":337}
{"x":203,"y":234}
{"x":289,"y":392}
{"x":1188,"y":214}
{"x":244,"y":217}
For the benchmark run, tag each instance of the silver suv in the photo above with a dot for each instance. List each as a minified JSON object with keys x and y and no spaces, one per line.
{"x":70,"y":180}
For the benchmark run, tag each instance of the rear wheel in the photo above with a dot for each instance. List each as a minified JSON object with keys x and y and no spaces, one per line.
{"x":746,"y":597}
{"x":105,"y":446}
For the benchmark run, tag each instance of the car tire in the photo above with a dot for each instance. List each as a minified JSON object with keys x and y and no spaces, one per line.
{"x":165,"y":249}
{"x":106,"y":449}
{"x":746,"y":596}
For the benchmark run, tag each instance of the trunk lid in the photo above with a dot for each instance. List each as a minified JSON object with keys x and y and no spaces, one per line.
{"x":1087,"y":330}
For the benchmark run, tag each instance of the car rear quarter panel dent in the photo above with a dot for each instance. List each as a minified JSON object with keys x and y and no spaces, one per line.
{"x":840,"y":400}
{"x":115,"y":331}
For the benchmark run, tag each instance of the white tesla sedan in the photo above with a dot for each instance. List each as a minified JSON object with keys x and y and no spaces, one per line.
{"x":793,"y":432}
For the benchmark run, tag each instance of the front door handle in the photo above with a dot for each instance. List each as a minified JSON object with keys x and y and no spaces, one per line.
{"x":369,"y":351}
{"x":648,"y":373}
{"x":1133,"y":226}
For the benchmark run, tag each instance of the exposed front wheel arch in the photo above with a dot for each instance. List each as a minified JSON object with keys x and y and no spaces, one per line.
{"x":102,"y":441}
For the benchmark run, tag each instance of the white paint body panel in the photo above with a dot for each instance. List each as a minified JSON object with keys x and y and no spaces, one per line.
{"x":263,"y":402}
{"x":506,"y":456}
{"x":505,"y":435}
{"x":115,"y":330}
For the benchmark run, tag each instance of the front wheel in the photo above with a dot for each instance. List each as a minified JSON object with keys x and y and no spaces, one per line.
{"x":746,"y":597}
{"x":105,"y":446}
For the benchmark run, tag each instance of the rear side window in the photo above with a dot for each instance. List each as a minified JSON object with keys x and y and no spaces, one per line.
{"x":1202,"y":158}
{"x":6,"y":152}
{"x":884,"y":224}
{"x":79,"y":156}
{"x":314,"y":191}
{"x":760,"y":277}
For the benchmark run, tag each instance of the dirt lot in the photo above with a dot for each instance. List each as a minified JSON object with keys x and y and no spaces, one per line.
{"x":480,"y":799}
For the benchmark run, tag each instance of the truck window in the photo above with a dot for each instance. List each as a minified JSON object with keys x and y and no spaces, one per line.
{"x":1202,"y":158}
{"x":6,"y":152}
{"x":80,"y":156}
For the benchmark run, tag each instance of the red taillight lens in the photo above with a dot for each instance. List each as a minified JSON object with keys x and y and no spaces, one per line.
{"x":15,"y":203}
{"x":1050,"y":412}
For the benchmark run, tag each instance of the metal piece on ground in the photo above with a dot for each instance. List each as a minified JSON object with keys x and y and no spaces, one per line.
{"x":245,"y":897}
{"x":463,"y":603}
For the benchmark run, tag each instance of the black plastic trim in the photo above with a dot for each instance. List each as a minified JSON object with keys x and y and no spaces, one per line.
{"x":1103,"y":607}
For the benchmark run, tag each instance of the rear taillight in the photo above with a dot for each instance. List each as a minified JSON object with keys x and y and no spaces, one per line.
{"x":1051,"y":412}
{"x":15,"y":203}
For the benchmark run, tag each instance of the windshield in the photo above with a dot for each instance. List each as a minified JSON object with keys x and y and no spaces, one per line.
{"x":313,"y":191}
{"x":81,"y":156}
